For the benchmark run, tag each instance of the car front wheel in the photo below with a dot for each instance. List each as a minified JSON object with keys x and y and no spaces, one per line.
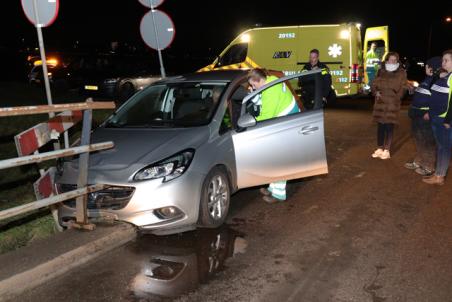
{"x":215,"y":199}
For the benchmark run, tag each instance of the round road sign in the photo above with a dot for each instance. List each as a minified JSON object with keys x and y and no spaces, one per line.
{"x":164,"y":27}
{"x":155,"y":3}
{"x":47,"y":11}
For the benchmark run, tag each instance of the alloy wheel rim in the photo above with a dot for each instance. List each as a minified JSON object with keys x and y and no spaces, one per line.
{"x":217,"y":197}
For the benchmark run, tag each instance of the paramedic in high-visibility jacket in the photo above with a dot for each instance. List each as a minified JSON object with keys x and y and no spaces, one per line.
{"x":373,"y":61}
{"x":273,"y":102}
{"x":441,"y":117}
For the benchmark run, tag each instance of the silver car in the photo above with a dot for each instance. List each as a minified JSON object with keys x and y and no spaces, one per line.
{"x":183,"y":145}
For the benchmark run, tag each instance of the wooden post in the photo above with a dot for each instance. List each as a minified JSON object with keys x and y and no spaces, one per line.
{"x":82,"y":201}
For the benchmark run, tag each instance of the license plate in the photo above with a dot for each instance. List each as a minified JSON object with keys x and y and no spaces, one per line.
{"x":91,"y":87}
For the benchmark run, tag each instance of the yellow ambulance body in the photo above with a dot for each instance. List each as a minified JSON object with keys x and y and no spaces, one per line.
{"x":287,"y":49}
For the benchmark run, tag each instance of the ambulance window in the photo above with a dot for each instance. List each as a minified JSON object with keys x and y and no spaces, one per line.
{"x":380,"y":50}
{"x":235,"y":54}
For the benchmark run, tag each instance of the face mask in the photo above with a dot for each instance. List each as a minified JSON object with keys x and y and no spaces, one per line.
{"x":392,"y":67}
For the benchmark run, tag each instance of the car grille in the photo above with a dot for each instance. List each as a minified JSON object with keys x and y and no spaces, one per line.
{"x":112,"y":198}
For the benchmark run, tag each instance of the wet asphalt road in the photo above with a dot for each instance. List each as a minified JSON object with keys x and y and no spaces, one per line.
{"x":368,"y":231}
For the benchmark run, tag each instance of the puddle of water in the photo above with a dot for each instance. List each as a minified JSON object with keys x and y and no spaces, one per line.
{"x":171,"y":266}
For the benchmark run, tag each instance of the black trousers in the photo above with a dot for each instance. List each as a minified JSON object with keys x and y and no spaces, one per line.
{"x":385,"y":134}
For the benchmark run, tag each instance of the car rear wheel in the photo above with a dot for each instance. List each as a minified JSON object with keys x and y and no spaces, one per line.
{"x":215,"y":199}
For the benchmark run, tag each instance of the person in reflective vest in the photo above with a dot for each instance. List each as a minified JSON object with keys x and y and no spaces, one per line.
{"x":373,"y":60}
{"x":421,"y":128}
{"x":441,"y":117}
{"x":276,"y":101}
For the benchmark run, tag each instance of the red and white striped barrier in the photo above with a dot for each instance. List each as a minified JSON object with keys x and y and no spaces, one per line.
{"x":34,"y":138}
{"x":31,"y":140}
{"x":44,"y":187}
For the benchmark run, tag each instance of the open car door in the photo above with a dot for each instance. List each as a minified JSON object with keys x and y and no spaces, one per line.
{"x":282,"y":148}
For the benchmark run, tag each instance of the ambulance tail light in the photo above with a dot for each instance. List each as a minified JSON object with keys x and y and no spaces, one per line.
{"x":355,"y":74}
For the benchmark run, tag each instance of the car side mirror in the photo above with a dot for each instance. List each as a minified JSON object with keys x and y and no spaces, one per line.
{"x":246,"y":121}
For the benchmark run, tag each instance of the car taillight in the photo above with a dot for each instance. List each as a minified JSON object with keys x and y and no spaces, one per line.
{"x":355,"y":74}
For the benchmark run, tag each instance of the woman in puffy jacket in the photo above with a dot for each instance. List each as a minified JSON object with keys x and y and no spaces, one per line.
{"x":388,"y":88}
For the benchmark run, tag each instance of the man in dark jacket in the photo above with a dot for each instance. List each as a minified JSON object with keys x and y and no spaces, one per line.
{"x":421,"y":128}
{"x":307,"y":84}
{"x":441,"y":95}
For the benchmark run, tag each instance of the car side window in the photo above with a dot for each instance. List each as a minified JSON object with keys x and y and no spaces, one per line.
{"x":226,"y":122}
{"x":232,"y":112}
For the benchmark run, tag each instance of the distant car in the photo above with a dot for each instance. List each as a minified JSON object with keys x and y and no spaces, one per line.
{"x":115,"y":76}
{"x":59,"y":77}
{"x":179,"y":154}
{"x":111,"y":76}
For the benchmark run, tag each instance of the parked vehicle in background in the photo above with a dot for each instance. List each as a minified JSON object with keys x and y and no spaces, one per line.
{"x":287,"y":49}
{"x":112,"y":76}
{"x":179,"y":153}
{"x":61,"y":77}
{"x":115,"y":76}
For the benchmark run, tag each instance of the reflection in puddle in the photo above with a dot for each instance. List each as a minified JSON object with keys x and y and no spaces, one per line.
{"x":174,"y":265}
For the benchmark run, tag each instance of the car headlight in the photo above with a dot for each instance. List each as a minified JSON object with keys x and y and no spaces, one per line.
{"x":167,"y":169}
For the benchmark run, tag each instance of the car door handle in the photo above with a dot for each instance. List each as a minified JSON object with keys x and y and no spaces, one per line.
{"x":308,"y":130}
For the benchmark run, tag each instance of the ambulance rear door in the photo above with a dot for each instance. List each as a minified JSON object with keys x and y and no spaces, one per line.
{"x":379,"y":36}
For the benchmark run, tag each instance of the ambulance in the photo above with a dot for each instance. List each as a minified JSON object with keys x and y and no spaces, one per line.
{"x":287,"y":49}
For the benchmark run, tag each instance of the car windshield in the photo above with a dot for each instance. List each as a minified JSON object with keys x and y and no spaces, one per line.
{"x":186,"y":104}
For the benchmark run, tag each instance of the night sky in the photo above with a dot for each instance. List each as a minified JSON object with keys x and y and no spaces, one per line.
{"x":201,"y":25}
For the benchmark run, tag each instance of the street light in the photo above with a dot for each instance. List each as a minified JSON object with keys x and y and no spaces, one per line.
{"x":448,"y":19}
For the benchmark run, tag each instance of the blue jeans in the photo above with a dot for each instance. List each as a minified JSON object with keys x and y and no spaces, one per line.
{"x":443,"y":138}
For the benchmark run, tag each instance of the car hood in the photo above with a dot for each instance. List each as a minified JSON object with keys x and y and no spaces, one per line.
{"x":134,"y":149}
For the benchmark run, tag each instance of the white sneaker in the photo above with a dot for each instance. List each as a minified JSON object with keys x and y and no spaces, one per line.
{"x":385,"y":155}
{"x":377,"y":153}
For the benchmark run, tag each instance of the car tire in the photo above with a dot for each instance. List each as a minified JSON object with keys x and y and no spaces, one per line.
{"x":215,"y":199}
{"x":126,"y":90}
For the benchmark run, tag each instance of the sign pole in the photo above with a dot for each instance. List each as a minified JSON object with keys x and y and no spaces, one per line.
{"x":43,"y":56}
{"x":162,"y":67}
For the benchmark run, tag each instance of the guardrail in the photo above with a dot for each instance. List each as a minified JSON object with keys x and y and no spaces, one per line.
{"x":29,"y":142}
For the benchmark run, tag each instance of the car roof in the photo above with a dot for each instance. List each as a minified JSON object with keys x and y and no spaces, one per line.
{"x":217,"y":75}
